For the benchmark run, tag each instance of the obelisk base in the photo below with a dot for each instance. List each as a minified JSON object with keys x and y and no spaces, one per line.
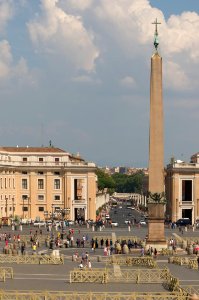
{"x":156,"y":236}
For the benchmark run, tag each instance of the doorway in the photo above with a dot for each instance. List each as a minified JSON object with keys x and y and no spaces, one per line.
{"x":187,"y":213}
{"x":79,"y":214}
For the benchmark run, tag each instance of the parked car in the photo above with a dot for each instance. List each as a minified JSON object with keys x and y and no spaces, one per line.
{"x":183,"y":222}
{"x":114,"y":224}
{"x":39,"y":223}
{"x":142,"y":222}
{"x":127,"y":222}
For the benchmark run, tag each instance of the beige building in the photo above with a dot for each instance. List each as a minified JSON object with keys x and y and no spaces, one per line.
{"x":182,"y":189}
{"x":38,"y":181}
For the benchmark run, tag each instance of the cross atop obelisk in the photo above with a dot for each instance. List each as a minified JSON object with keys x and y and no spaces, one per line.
{"x":156,"y":42}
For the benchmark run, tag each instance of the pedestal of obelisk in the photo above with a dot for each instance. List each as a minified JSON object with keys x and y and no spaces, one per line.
{"x":156,"y":235}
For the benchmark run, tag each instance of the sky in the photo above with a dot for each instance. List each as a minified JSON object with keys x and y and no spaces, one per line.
{"x":77,"y":72}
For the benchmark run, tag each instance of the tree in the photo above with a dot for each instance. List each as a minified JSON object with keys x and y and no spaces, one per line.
{"x":128,"y":183}
{"x":104,"y":180}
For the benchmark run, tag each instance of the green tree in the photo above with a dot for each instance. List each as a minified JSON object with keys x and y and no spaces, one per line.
{"x":128,"y":183}
{"x":104,"y":180}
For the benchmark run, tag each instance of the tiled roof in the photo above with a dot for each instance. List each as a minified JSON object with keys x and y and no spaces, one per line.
{"x":32,"y":149}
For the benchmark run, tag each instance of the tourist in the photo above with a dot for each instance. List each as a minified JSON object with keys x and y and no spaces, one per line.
{"x":89,"y":265}
{"x":81,"y":266}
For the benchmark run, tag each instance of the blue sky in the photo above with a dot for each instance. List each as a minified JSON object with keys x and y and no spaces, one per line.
{"x":77,"y":72}
{"x":175,"y":6}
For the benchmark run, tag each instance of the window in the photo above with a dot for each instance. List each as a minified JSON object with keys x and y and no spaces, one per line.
{"x":57,"y":197}
{"x":24,"y":159}
{"x":186,"y":190}
{"x":1,"y":183}
{"x":25,"y":208}
{"x":9,"y":183}
{"x":41,"y":159}
{"x":24,"y":197}
{"x":5,"y":183}
{"x":13,"y":183}
{"x":40,"y":184}
{"x":56,"y":173}
{"x":40,"y":173}
{"x":24,"y":184}
{"x":78,"y":189}
{"x":40,"y":197}
{"x":56,"y":160}
{"x":57,"y":184}
{"x":41,"y":208}
{"x":24,"y":173}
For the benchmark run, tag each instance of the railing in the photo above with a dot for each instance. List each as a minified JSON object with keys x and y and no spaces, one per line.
{"x":184,"y":261}
{"x":31,"y":259}
{"x":6,"y":272}
{"x":46,"y":164}
{"x":118,"y":238}
{"x":166,"y":252}
{"x":44,"y":295}
{"x":132,"y":261}
{"x":125,"y":276}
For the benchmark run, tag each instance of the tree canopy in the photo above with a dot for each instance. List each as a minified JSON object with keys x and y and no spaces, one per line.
{"x":120,"y":183}
{"x":104,"y":180}
{"x":128,"y":183}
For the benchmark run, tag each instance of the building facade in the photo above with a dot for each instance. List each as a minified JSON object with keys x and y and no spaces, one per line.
{"x":182,"y":189}
{"x":39,"y":182}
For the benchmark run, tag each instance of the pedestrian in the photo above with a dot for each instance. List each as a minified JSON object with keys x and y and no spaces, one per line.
{"x":22,"y":248}
{"x":81,"y":265}
{"x":198,"y":261}
{"x":155,"y":253}
{"x":34,"y":248}
{"x":142,"y":251}
{"x":89,"y":265}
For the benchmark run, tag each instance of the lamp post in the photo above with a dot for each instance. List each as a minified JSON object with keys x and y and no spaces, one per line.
{"x":13,"y":207}
{"x":45,"y":215}
{"x":6,"y":199}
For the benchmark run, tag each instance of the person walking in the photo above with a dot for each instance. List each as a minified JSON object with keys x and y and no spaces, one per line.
{"x":89,"y":265}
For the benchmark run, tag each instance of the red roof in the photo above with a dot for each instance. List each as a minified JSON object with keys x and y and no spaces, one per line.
{"x":32,"y":149}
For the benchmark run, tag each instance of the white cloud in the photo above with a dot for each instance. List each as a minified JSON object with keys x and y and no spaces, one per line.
{"x":127,"y":23}
{"x":6,"y":12}
{"x":9,"y":70}
{"x":175,"y":77}
{"x":59,"y":33}
{"x":128,"y":82}
{"x":76,"y":4}
{"x":181,"y":34}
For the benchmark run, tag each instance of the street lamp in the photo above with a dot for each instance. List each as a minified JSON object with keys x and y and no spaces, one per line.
{"x":6,"y":206}
{"x":13,"y":208}
{"x":45,"y":215}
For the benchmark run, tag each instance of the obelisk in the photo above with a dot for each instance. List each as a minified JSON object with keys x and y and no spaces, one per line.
{"x":156,"y":200}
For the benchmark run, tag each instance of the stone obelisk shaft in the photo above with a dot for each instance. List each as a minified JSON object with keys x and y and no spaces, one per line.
{"x":156,"y":236}
{"x":156,"y":138}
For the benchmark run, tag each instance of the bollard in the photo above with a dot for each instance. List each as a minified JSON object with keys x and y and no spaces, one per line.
{"x":93,"y":228}
{"x":129,"y":228}
{"x":100,"y":228}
